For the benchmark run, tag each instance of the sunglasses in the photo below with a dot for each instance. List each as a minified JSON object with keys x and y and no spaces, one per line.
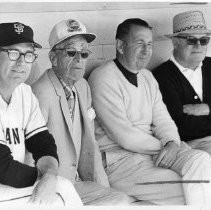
{"x":191,"y":40}
{"x":71,"y":52}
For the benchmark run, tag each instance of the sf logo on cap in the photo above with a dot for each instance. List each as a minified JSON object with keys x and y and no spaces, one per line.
{"x":73,"y":26}
{"x":18,"y":28}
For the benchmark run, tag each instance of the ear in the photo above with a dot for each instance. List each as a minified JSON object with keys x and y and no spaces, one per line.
{"x":175,"y":42}
{"x":119,"y":46}
{"x":53,"y":58}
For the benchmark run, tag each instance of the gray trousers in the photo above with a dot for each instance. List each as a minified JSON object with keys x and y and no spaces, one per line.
{"x":92,"y":193}
{"x":184,"y":183}
{"x":201,"y":144}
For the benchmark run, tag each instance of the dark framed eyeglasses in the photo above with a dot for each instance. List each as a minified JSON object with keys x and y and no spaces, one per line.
{"x":191,"y":40}
{"x":71,"y":52}
{"x":14,"y":55}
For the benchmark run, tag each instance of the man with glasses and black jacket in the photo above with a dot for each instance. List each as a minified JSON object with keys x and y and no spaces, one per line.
{"x":185,"y":79}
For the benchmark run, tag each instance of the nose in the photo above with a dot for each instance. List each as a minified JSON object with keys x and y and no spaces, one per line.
{"x":197,"y":45}
{"x":145,"y":48}
{"x":21,"y":59}
{"x":77,"y":56}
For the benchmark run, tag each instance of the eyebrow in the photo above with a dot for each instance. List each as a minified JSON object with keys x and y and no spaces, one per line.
{"x":21,"y":51}
{"x":141,"y":40}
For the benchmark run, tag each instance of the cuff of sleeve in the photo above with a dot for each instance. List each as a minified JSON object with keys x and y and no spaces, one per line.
{"x":209,"y":105}
{"x":39,"y":174}
{"x":165,"y":141}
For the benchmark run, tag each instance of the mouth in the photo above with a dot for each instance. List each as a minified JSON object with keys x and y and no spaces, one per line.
{"x":143,"y":58}
{"x":18,"y":72}
{"x":197,"y":52}
{"x":79,"y":68}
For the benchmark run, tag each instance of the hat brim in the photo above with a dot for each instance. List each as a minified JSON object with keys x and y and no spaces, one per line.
{"x":36,"y":45}
{"x":189,"y":32}
{"x":12,"y":42}
{"x":88,"y":36}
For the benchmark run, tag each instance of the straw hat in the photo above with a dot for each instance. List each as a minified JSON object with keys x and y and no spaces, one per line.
{"x":191,"y":22}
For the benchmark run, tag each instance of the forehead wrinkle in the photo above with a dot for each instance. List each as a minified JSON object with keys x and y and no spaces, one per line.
{"x":21,"y":47}
{"x":73,"y":44}
{"x":77,"y":40}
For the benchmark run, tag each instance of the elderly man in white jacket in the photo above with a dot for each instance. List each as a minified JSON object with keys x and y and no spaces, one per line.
{"x":65,"y":101}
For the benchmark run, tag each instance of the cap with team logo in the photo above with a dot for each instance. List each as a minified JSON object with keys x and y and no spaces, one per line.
{"x":15,"y":33}
{"x":66,"y":29}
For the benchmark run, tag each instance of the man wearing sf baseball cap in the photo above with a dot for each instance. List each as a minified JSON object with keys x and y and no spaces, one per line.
{"x":14,"y":33}
{"x":23,"y":128}
{"x":65,"y":101}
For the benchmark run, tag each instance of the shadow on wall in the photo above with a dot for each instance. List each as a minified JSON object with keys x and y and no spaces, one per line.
{"x":35,"y":73}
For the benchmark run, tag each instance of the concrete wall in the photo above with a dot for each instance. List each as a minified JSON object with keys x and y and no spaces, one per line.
{"x":102,"y":19}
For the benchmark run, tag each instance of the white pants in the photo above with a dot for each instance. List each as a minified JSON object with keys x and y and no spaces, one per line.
{"x":201,"y":144}
{"x":186,"y":182}
{"x":67,"y":195}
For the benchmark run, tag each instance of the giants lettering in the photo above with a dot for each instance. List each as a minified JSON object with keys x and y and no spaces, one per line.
{"x":12,"y":135}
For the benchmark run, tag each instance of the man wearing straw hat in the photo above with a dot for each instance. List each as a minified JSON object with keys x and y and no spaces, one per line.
{"x":185,"y":80}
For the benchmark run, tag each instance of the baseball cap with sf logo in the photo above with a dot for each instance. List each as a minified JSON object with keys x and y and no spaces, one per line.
{"x":15,"y":33}
{"x":66,"y":29}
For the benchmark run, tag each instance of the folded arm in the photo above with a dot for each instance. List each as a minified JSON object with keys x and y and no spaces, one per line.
{"x":190,"y":125}
{"x":196,"y":109}
{"x":164,"y":128}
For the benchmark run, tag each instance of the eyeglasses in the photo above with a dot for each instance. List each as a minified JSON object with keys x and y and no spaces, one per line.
{"x":71,"y":52}
{"x":14,"y":55}
{"x":191,"y":40}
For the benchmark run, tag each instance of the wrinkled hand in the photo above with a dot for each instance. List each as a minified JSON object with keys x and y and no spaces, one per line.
{"x":196,"y":109}
{"x":45,"y":190}
{"x":167,"y":155}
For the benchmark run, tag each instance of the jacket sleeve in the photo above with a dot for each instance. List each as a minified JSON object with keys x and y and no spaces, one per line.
{"x":14,"y":173}
{"x":164,"y":128}
{"x":100,"y":175}
{"x":189,"y":126}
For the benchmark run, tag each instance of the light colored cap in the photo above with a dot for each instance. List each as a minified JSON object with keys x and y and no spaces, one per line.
{"x":191,"y":22}
{"x":66,"y":29}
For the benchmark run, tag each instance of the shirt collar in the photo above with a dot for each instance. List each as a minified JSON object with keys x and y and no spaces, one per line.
{"x":180,"y":67}
{"x":131,"y":77}
{"x":69,"y":92}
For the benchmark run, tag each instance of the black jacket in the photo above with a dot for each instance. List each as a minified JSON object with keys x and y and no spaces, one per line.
{"x":177,"y":91}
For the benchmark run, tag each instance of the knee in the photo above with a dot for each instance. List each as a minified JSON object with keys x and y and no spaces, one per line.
{"x":64,"y":183}
{"x":200,"y":160}
{"x":206,"y":156}
{"x":171,"y":175}
{"x":123,"y":199}
{"x":203,"y":157}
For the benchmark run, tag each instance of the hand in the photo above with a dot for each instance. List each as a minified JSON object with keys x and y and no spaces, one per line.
{"x":45,"y":190}
{"x":196,"y":109}
{"x":167,"y":155}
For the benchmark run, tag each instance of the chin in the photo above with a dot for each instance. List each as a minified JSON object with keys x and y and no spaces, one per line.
{"x":141,"y":66}
{"x":198,"y":59}
{"x":19,"y":80}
